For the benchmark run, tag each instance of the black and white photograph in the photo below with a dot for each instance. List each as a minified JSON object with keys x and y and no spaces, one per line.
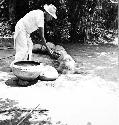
{"x":59,"y":62}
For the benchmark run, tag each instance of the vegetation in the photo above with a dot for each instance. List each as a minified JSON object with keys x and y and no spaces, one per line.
{"x":84,"y":21}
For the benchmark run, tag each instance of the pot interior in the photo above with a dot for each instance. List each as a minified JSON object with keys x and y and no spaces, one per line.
{"x":26,"y":63}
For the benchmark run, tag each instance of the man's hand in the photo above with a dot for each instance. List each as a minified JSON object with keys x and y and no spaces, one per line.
{"x":51,"y":52}
{"x":41,"y":34}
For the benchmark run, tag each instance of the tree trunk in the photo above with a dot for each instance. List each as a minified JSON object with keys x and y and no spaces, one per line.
{"x":74,"y":15}
{"x":12,"y":4}
{"x":12,"y":17}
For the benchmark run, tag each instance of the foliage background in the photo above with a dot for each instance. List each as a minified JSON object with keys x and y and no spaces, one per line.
{"x":84,"y":21}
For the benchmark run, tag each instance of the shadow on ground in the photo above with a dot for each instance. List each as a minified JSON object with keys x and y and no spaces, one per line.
{"x":15,"y":82}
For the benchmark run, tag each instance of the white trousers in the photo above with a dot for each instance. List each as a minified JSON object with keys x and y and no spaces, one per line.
{"x":22,"y":43}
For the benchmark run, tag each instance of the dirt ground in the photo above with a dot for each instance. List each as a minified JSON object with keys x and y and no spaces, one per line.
{"x":88,"y":98}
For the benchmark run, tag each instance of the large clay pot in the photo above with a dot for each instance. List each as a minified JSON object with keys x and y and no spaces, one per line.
{"x":26,"y":70}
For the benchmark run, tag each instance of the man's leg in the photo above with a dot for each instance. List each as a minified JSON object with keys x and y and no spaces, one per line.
{"x":21,"y":46}
{"x":30,"y":47}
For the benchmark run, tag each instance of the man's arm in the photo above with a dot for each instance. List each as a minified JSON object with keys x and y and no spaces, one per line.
{"x":41,"y":33}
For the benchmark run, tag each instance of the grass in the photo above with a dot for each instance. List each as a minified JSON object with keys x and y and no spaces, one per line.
{"x":6,"y":42}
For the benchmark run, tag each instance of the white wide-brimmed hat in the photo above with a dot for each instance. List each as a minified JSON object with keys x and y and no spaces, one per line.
{"x":51,"y":9}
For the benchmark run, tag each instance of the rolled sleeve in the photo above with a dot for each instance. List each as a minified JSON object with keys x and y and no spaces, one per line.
{"x":40,"y":20}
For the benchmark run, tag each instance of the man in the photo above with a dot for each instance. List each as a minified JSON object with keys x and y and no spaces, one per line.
{"x":32,"y":21}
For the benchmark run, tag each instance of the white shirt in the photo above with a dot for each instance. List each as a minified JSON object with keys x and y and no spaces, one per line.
{"x":33,"y":20}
